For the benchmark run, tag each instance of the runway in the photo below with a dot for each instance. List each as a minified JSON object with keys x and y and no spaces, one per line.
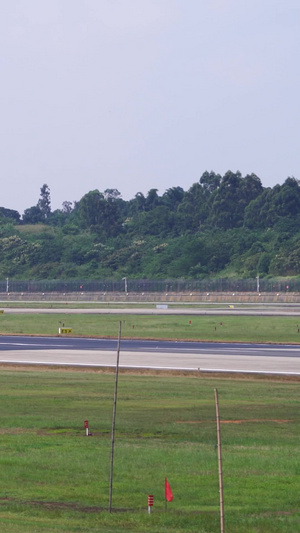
{"x":155,"y":355}
{"x":171,"y":309}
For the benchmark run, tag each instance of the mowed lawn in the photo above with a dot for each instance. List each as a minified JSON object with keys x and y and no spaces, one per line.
{"x":55,"y":479}
{"x":285,"y":329}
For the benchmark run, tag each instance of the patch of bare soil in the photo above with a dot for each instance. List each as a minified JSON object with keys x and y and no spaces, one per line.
{"x":249,"y":420}
{"x":62,"y":505}
{"x":13,"y":431}
{"x":81,"y":508}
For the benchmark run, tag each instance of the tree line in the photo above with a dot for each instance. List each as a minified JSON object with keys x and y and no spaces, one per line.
{"x":221,"y":226}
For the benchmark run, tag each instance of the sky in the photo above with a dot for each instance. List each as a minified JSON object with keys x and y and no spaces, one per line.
{"x":145,"y":94}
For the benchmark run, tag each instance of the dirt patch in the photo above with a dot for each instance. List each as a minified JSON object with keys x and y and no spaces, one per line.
{"x":86,"y":509}
{"x":280,"y":513}
{"x":255,"y":420}
{"x":13,"y":431}
{"x":63,"y":506}
{"x":247,"y":421}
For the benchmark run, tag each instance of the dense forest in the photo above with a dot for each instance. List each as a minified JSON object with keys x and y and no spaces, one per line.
{"x":222,"y":226}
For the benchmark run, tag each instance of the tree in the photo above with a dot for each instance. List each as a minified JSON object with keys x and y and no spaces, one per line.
{"x":112,"y":195}
{"x":231,"y":199}
{"x":67,"y":207}
{"x":10,"y":214}
{"x":159,"y":221}
{"x":44,"y":202}
{"x":137,"y":204}
{"x":90,"y":209}
{"x":210,"y":181}
{"x":194,"y":209}
{"x":152,"y":199}
{"x":32,"y":215}
{"x":99,"y":215}
{"x":173,"y":197}
{"x":274,"y":205}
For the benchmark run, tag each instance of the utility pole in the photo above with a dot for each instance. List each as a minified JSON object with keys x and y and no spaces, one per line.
{"x":222,"y":518}
{"x":114,"y":424}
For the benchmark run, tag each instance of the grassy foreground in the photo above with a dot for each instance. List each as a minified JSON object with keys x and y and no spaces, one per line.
{"x":220,"y":328}
{"x":55,"y":479}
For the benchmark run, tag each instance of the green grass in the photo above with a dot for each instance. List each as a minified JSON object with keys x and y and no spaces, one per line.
{"x":35,"y":228}
{"x":54,"y":479}
{"x":213,"y":328}
{"x":82,"y":305}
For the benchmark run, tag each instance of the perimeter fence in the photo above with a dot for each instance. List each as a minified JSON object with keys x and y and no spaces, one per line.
{"x":134,"y":285}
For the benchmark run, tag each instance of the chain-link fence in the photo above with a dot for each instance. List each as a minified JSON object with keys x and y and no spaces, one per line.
{"x":134,"y":285}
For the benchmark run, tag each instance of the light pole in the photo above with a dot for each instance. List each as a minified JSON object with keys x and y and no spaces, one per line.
{"x":257,"y":282}
{"x":125,"y":279}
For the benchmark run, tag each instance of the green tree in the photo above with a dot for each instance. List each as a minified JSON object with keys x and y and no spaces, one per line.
{"x":152,"y":200}
{"x":99,"y":215}
{"x":44,"y":202}
{"x":273,"y":205}
{"x":32,"y":215}
{"x":193,"y":210}
{"x":232,"y":198}
{"x":173,"y":197}
{"x":9,"y":215}
{"x":210,"y":181}
{"x":159,"y":221}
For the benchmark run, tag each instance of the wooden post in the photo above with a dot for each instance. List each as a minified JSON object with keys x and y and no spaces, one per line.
{"x":114,"y":423}
{"x":222,"y":519}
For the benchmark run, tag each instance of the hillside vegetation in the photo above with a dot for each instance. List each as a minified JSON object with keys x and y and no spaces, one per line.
{"x":226,"y":226}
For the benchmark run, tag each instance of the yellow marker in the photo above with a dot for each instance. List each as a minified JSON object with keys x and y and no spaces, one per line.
{"x":61,"y":331}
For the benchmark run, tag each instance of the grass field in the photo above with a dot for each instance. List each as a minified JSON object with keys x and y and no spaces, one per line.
{"x":219,"y":328}
{"x":55,"y":479}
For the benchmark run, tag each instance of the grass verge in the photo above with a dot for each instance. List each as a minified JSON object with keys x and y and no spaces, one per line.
{"x":54,"y":478}
{"x":213,"y":328}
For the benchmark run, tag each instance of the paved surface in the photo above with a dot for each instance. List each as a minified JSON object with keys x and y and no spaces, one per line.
{"x":245,"y":310}
{"x":209,"y":357}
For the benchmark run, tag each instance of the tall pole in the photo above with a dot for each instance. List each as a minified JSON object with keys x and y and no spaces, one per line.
{"x":114,"y":423}
{"x":222,"y":518}
{"x":125,"y":285}
{"x":257,"y":283}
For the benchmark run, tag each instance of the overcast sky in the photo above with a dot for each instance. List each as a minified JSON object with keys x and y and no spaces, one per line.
{"x":141,"y":94}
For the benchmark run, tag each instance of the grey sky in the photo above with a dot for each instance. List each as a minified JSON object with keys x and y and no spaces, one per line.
{"x":141,"y":94}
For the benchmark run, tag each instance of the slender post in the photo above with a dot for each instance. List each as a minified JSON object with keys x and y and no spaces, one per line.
{"x":7,"y":285}
{"x":114,"y":423}
{"x":222,"y":519}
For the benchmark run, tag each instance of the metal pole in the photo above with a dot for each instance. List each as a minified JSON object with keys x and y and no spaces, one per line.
{"x":222,"y":519}
{"x":7,"y":286}
{"x":257,"y":283}
{"x":114,"y":423}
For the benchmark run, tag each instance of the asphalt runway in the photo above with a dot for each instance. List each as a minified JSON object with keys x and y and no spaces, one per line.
{"x":156,"y":355}
{"x":238,"y":309}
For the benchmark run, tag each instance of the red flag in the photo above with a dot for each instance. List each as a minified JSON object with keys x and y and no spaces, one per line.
{"x":168,"y":491}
